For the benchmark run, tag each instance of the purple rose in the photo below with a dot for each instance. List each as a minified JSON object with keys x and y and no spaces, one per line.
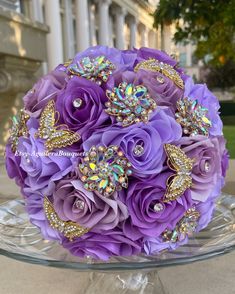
{"x":73,"y":202}
{"x":207,"y":170}
{"x":34,"y":207}
{"x":121,"y":59}
{"x":13,"y":168}
{"x":162,"y":128}
{"x":42,"y":170}
{"x":44,"y":90}
{"x":90,"y":114}
{"x":103,"y":245}
{"x":208,"y":100}
{"x":141,"y":200}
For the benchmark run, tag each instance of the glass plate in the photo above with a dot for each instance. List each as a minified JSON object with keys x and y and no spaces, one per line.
{"x":21,"y":240}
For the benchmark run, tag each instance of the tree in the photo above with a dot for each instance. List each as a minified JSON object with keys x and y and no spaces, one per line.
{"x":209,"y":24}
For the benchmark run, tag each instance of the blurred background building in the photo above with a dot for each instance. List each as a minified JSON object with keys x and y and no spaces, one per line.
{"x":36,"y":35}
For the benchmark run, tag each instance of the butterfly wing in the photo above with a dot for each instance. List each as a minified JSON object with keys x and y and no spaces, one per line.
{"x":47,"y":120}
{"x":61,"y":138}
{"x":176,"y":186}
{"x":177,"y":159}
{"x":69,"y":229}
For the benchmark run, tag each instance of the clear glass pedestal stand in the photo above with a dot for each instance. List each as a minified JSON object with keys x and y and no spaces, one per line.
{"x":21,"y":240}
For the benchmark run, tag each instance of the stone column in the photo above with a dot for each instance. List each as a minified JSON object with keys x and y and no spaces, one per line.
{"x":103,"y":9}
{"x":68,"y":30}
{"x":120,"y":21}
{"x":82,"y":25}
{"x":54,"y":38}
{"x":133,"y":31}
{"x":92,"y":12}
{"x":144,"y":36}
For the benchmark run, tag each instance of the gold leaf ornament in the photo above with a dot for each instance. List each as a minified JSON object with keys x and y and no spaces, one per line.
{"x":69,"y":229}
{"x":54,"y":136}
{"x":179,"y":162}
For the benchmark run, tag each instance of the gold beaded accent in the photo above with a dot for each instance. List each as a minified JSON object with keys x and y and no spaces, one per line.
{"x":69,"y":229}
{"x":157,"y":66}
{"x":18,"y":129}
{"x":55,"y":136}
{"x":186,"y":226}
{"x":182,"y":165}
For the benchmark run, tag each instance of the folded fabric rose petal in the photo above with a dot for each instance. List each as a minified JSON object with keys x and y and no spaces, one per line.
{"x":118,"y":153}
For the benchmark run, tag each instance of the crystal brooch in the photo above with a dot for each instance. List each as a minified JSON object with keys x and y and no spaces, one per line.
{"x":130,"y":104}
{"x":186,"y":226}
{"x":192,"y":117}
{"x":105,"y":170}
{"x":166,"y":69}
{"x":18,"y":129}
{"x":182,"y":165}
{"x":96,"y":69}
{"x":54,"y":136}
{"x":69,"y":229}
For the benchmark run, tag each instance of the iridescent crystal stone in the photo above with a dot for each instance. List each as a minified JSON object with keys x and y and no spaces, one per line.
{"x":129,"y":103}
{"x":138,"y":150}
{"x":96,"y":69}
{"x":158,"y":207}
{"x":193,"y":117}
{"x":77,"y":102}
{"x":105,"y":170}
{"x":186,"y":226}
{"x":18,"y":129}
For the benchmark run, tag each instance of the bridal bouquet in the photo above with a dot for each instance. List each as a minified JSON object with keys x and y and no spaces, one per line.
{"x":118,"y":153}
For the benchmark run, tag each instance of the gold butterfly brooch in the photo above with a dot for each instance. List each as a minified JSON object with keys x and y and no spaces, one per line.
{"x":55,"y":136}
{"x":182,"y":165}
{"x":69,"y":229}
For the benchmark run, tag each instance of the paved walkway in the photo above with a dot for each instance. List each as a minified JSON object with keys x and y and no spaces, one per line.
{"x":214,"y":276}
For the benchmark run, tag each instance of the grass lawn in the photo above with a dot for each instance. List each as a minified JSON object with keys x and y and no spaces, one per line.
{"x":229,"y":134}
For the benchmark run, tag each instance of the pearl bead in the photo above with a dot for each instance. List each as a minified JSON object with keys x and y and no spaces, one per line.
{"x":77,"y":102}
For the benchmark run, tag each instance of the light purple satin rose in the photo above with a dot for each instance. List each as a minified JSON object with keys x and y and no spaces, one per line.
{"x":35,"y":209}
{"x":103,"y":245}
{"x":149,"y":215}
{"x":73,"y":202}
{"x":207,"y":168}
{"x":13,"y":168}
{"x":206,"y":99}
{"x":161,"y":129}
{"x":44,"y":90}
{"x":81,"y":106}
{"x":42,"y":170}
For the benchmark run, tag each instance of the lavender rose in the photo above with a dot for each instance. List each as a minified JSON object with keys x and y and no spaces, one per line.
{"x":149,"y":215}
{"x":81,"y":106}
{"x":207,"y":169}
{"x":103,"y":245}
{"x":73,"y":202}
{"x":13,"y":168}
{"x":35,"y":209}
{"x":44,"y":90}
{"x":42,"y":170}
{"x":162,"y":128}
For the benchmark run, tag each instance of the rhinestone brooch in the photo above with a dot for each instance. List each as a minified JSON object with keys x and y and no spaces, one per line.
{"x":69,"y":229}
{"x":192,"y":117}
{"x":55,"y":136}
{"x":105,"y":170}
{"x":164,"y":68}
{"x":96,"y":69}
{"x":130,"y":104}
{"x":186,"y":226}
{"x":182,"y":165}
{"x":18,"y":129}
